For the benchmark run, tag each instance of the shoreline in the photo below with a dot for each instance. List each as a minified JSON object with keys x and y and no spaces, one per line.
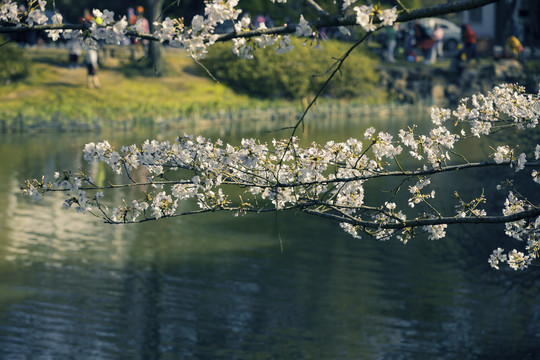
{"x":267,"y":119}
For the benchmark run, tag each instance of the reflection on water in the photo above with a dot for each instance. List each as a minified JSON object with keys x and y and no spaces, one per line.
{"x":214,"y":287}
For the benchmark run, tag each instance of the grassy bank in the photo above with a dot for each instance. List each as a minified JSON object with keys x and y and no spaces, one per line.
{"x":55,"y":96}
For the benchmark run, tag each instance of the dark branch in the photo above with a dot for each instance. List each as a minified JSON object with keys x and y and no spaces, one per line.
{"x":528,"y":214}
{"x":305,"y":207}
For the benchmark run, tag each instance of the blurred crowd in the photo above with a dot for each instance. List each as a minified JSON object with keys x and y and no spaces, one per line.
{"x":428,"y":40}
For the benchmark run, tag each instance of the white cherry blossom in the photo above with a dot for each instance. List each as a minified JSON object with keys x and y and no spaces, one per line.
{"x":503,"y":153}
{"x":36,"y":16}
{"x":303,"y":28}
{"x":8,"y":11}
{"x":364,"y":18}
{"x":388,"y":16}
{"x":497,"y":257}
{"x":284,"y":44}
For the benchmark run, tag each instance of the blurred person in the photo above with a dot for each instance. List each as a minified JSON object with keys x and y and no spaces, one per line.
{"x":323,"y":33}
{"x":456,"y":63}
{"x":259,"y":19}
{"x":515,"y":30}
{"x":75,"y":51}
{"x":513,"y":47}
{"x":425,"y":41}
{"x":408,"y":38}
{"x":131,"y":17}
{"x":145,"y":26}
{"x":468,"y":36}
{"x":92,"y":79}
{"x":391,"y":41}
{"x":87,"y":17}
{"x":438,"y":35}
{"x":269,"y":21}
{"x":141,"y":24}
{"x":408,"y":41}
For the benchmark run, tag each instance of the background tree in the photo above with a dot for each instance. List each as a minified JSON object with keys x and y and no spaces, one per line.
{"x":155,"y":9}
{"x":532,"y":25}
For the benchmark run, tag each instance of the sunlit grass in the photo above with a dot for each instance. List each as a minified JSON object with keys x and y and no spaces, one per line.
{"x":55,"y":94}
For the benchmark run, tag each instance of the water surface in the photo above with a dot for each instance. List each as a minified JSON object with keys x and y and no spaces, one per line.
{"x":283,"y":286}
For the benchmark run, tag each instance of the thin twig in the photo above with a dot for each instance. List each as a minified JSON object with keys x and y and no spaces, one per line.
{"x":7,"y":42}
{"x":173,"y":3}
{"x":339,"y":63}
{"x":318,"y":9}
{"x":402,"y":6}
{"x":278,"y":232}
{"x":205,"y":69}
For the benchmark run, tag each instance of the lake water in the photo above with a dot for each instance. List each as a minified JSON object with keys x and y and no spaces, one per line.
{"x":218,"y":287}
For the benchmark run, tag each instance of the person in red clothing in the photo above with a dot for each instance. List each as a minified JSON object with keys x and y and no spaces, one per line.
{"x":468,"y":36}
{"x":424,"y":41}
{"x":87,"y":17}
{"x":145,"y":26}
{"x":141,"y":25}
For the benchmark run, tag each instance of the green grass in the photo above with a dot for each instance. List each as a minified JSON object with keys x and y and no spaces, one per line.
{"x":54,"y":95}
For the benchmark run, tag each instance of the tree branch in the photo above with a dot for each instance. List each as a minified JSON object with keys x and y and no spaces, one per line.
{"x":401,"y":224}
{"x":269,"y":184}
{"x":326,"y":21}
{"x":527,"y":214}
{"x":336,"y":20}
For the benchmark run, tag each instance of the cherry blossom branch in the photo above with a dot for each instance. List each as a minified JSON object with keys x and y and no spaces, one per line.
{"x":338,"y":20}
{"x":325,"y":21}
{"x":503,"y":219}
{"x":268,"y":182}
{"x":344,"y":218}
{"x":119,"y":186}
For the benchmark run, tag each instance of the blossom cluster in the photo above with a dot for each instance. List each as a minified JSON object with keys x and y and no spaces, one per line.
{"x":322,"y":179}
{"x":195,"y":39}
{"x":470,"y":208}
{"x":503,"y":105}
{"x":365,"y":15}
